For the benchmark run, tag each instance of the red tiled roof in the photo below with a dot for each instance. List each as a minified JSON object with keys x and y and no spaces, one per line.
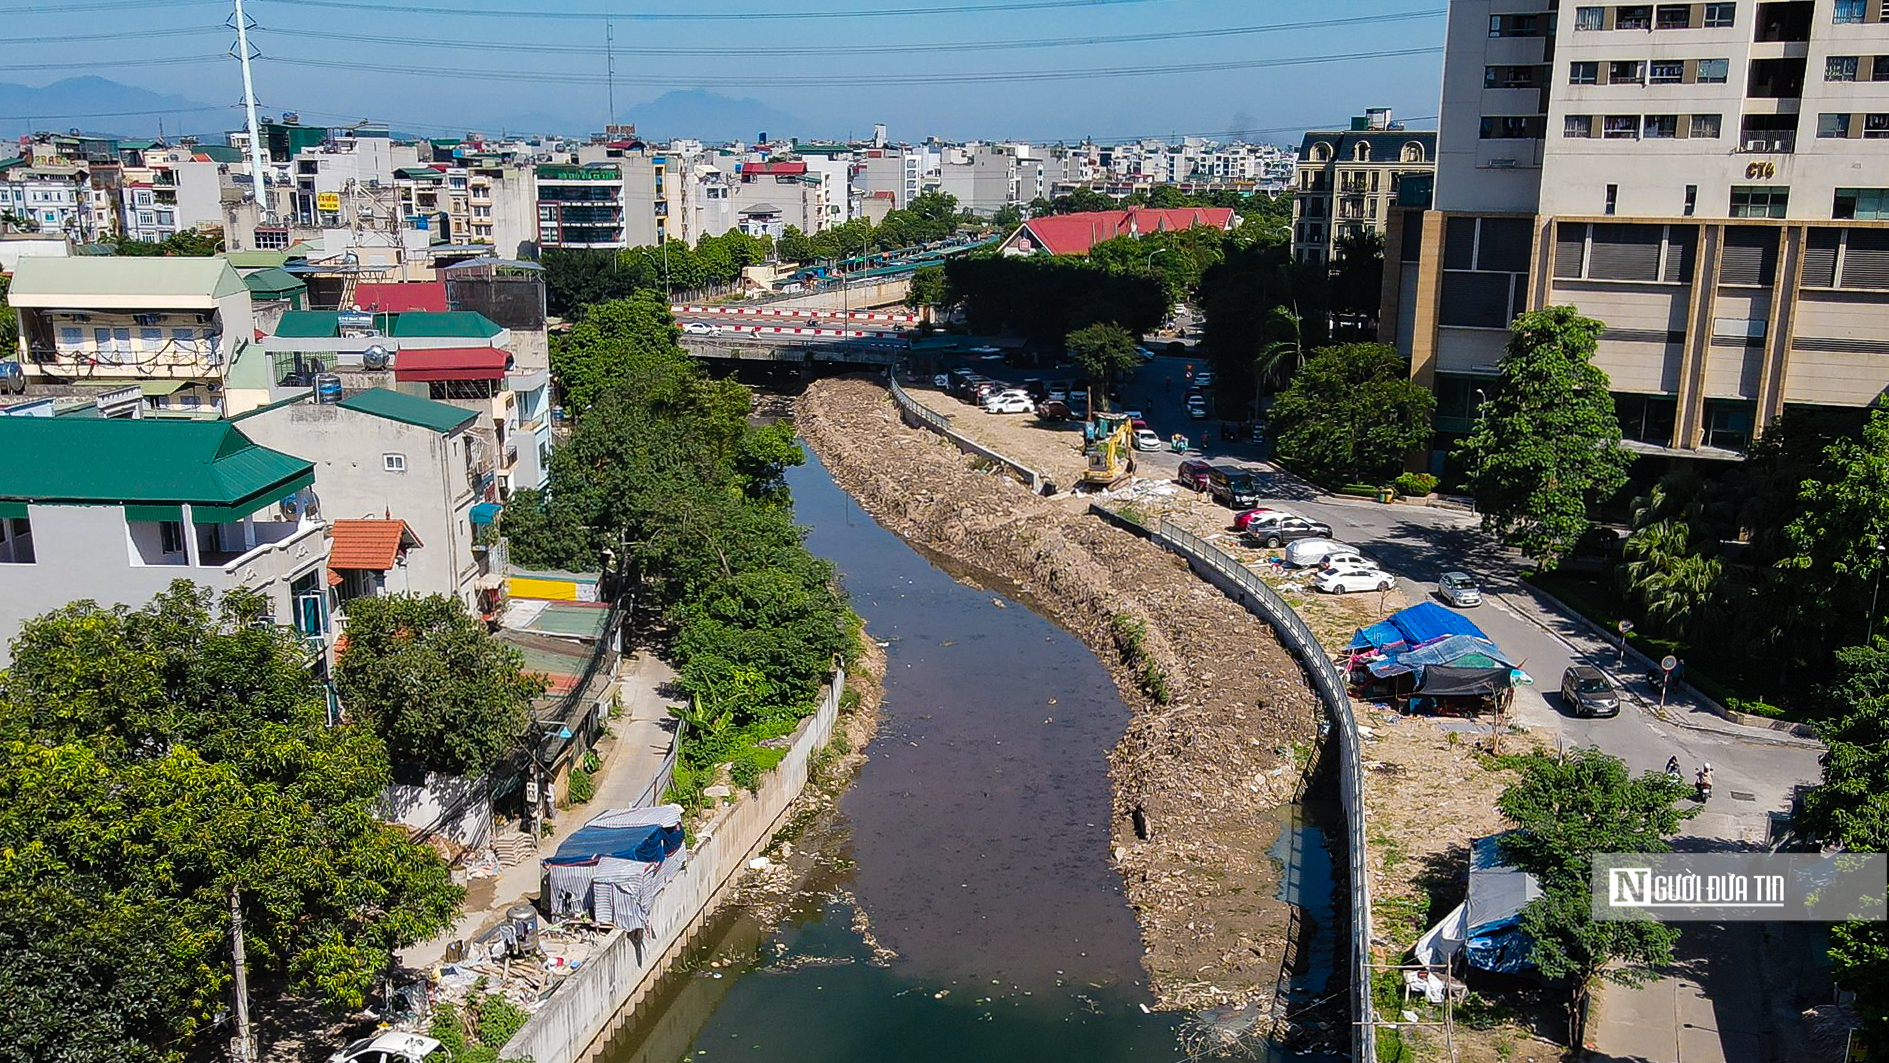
{"x":400,"y":296}
{"x":1075,"y":234}
{"x":779,"y":169}
{"x":370,"y":544}
{"x":449,"y":363}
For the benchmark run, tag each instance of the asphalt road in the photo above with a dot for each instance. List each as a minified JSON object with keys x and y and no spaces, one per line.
{"x":1753,"y":771}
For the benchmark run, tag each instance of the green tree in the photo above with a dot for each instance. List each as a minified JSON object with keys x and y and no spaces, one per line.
{"x":152,"y":760}
{"x":794,"y":246}
{"x":1352,"y":414}
{"x":437,"y":687}
{"x":1674,"y":582}
{"x":9,"y":321}
{"x":929,"y":288}
{"x":1283,"y":355}
{"x":1841,"y":531}
{"x":1102,"y":350}
{"x":1566,"y":809}
{"x":1007,"y":217}
{"x":1357,"y":275}
{"x":605,"y":345}
{"x":1547,"y":441}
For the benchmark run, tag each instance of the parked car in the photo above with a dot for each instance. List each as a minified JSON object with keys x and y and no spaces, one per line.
{"x":1147,"y":440}
{"x":1311,"y":553}
{"x":1235,"y":488}
{"x":1348,"y":579}
{"x":1273,"y":533}
{"x":1058,"y":393}
{"x":1009,"y":393}
{"x":701,"y":328}
{"x":1247,"y":516}
{"x":1348,"y":557}
{"x":1053,"y":410}
{"x":1459,"y":589}
{"x":1197,"y":407}
{"x":393,"y":1047}
{"x":1010,"y":404}
{"x":1203,"y":378}
{"x":1132,"y":415}
{"x":1145,"y":354}
{"x":1194,"y":473}
{"x":1586,"y":691}
{"x":12,"y":377}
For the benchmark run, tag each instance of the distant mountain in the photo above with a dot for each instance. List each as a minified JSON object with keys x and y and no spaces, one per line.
{"x":705,"y":115}
{"x":97,"y":104}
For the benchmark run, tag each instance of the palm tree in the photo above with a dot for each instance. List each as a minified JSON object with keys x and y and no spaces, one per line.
{"x":1673,"y":582}
{"x":1280,"y":358}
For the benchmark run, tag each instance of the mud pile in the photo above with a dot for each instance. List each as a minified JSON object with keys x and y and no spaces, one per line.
{"x":1200,"y":772}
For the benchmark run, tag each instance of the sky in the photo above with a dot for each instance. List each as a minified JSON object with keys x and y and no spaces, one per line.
{"x":1034,"y":70}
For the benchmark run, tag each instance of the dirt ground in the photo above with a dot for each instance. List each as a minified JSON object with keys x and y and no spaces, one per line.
{"x":1050,"y":447}
{"x":1222,"y":723}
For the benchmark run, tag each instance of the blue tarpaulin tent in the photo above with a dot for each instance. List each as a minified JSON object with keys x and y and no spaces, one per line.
{"x":613,"y":866}
{"x":1486,"y":927}
{"x":1418,"y":625}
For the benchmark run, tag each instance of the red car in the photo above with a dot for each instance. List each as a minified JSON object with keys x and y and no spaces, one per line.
{"x":1246,"y":516}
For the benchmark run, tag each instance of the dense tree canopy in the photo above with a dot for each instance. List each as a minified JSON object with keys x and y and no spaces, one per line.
{"x":1352,"y":415}
{"x":1046,"y":298}
{"x":1546,"y":443}
{"x":150,"y":761}
{"x":1102,"y":350}
{"x":606,"y":344}
{"x":579,"y":277}
{"x":437,"y":687}
{"x":187,"y":244}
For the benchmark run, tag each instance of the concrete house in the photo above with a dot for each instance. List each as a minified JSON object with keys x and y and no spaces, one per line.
{"x":202,"y":501}
{"x":384,"y":458}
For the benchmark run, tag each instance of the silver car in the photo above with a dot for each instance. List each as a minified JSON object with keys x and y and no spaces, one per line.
{"x":1459,"y":589}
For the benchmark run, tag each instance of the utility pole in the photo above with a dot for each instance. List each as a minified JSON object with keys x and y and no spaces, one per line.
{"x":610,"y":62}
{"x":243,"y":1049}
{"x":258,"y":164}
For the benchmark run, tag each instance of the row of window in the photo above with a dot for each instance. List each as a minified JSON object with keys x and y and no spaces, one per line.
{"x":1650,"y":126}
{"x":118,"y":340}
{"x":1872,"y":127}
{"x":1656,"y":16}
{"x":1851,"y":67}
{"x":1650,"y":72}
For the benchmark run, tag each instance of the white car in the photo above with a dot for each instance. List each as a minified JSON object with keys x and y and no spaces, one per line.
{"x":1009,"y":404}
{"x":1459,"y":589}
{"x":1310,"y":553}
{"x":393,"y":1047}
{"x":701,"y":328}
{"x":1348,"y":559}
{"x":1145,"y":354}
{"x":1006,"y":393}
{"x":1145,"y":439}
{"x":1351,"y":578}
{"x":1204,"y":378}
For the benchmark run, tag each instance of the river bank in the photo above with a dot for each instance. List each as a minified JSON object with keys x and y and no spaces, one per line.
{"x":1214,"y":746}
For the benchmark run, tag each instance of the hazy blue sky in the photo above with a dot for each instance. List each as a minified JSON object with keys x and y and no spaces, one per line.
{"x":401,"y":61}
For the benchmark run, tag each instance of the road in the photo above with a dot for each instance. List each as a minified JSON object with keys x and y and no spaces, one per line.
{"x":1730,"y":994}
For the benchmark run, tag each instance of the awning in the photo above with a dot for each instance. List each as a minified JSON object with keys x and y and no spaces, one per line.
{"x":368,"y":544}
{"x":450,"y":363}
{"x":485,"y":513}
{"x":157,"y":388}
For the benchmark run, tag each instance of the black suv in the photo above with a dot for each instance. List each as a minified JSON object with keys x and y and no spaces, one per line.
{"x":1233,"y":487}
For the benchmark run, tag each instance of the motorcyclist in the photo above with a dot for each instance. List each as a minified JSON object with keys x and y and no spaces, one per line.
{"x":1672,"y":766}
{"x":1704,"y":782}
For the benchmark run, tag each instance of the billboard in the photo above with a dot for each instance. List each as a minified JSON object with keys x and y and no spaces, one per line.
{"x":329,"y":201}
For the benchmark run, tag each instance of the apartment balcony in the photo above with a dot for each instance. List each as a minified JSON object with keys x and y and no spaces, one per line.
{"x":282,"y":549}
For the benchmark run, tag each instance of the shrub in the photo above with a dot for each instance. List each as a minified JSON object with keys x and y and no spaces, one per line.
{"x":1367,"y":490}
{"x":1414,"y":484}
{"x":581,"y":787}
{"x":592,"y":762}
{"x":745,"y":774}
{"x":1755,"y":706}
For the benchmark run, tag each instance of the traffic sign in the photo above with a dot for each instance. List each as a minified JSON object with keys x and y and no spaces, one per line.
{"x":1669,"y":662}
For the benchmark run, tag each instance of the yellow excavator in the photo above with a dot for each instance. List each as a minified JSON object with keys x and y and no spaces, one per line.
{"x":1110,"y":451}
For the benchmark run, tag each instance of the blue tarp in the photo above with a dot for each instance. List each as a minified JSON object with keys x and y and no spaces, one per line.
{"x":1418,"y":625}
{"x":647,"y":843}
{"x":1464,"y":651}
{"x":1492,"y":914}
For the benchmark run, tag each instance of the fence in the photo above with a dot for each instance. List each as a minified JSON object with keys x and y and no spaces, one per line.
{"x":916,"y":411}
{"x":573,"y":1022}
{"x":1245,"y":586}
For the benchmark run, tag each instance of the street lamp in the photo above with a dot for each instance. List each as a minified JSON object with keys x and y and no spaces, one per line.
{"x":1156,"y":251}
{"x":1873,"y":594}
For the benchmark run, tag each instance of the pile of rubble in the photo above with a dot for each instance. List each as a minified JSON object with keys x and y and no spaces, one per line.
{"x":1200,"y":772}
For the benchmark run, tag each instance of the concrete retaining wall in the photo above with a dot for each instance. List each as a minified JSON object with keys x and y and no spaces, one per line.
{"x":856,"y":297}
{"x":917,"y":415}
{"x":604,"y":994}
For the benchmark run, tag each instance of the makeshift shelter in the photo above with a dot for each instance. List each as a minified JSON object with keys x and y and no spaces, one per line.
{"x":1453,"y":664}
{"x":1486,"y":927}
{"x":613,"y":866}
{"x":1419,"y":625}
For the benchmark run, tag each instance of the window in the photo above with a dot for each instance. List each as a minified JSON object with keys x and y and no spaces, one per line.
{"x":1861,"y":204}
{"x":1674,"y":16}
{"x":1720,"y":15}
{"x":1692,"y":199}
{"x":1879,"y":68}
{"x":70,"y":336}
{"x":1833,"y":125}
{"x":1587,"y":73}
{"x":1613,"y":199}
{"x":1840,"y":68}
{"x":1662,"y":126}
{"x":1511,"y":127}
{"x":151,"y":339}
{"x":1666,"y":71}
{"x":1758,"y":201}
{"x":1875,"y":126}
{"x":1621,"y":127}
{"x":1578,"y":125}
{"x":1849,"y":11}
{"x":1590,"y":18}
{"x":1634,"y":17}
{"x":1712,"y":71}
{"x":1706,"y":126}
{"x":170,"y":535}
{"x":1621,"y":71}
{"x":393,"y":462}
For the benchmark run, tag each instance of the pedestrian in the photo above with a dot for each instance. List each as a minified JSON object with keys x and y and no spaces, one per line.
{"x":1206,"y":439}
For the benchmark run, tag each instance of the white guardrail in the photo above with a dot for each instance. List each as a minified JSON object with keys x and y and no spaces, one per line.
{"x":916,"y":411}
{"x":1246,"y":587}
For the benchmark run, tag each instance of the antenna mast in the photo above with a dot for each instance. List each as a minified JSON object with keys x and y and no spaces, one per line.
{"x":258,"y":161}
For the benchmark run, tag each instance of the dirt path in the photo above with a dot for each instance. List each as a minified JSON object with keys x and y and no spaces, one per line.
{"x":1222,"y":715}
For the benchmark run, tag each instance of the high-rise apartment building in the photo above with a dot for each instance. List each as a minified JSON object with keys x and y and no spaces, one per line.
{"x":1710,"y":180}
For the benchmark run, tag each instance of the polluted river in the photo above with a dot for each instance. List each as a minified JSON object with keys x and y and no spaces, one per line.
{"x":959,"y":903}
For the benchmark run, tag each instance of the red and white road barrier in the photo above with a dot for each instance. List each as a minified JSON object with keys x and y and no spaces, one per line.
{"x":794,"y":312}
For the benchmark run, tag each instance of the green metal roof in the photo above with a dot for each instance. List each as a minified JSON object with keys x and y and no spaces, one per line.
{"x":308,"y":324}
{"x":256,"y":259}
{"x":87,"y":460}
{"x":407,"y":409}
{"x":126,"y":278}
{"x":458,"y":324}
{"x":273,"y":281}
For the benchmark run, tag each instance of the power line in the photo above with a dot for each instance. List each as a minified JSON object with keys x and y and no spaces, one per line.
{"x":852,"y":79}
{"x":885,"y":49}
{"x":108,"y":114}
{"x":68,"y":38}
{"x":107,"y":5}
{"x":720,"y":16}
{"x":95,"y":64}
